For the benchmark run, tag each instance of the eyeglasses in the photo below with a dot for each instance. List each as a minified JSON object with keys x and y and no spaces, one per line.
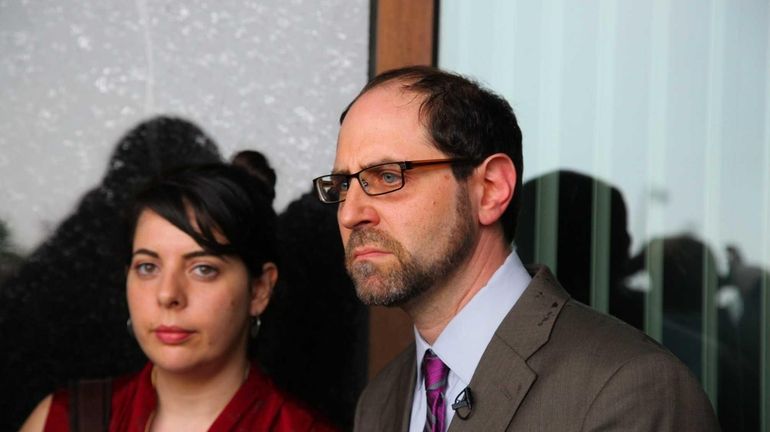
{"x":375,"y":180}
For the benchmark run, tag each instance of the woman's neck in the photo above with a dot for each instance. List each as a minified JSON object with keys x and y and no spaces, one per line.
{"x":193,"y":400}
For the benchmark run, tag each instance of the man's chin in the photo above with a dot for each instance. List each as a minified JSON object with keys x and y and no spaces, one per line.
{"x":372,"y":293}
{"x":378,"y":299}
{"x":382,"y":284}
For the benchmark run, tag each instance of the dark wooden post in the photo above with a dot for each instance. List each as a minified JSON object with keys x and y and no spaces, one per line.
{"x":403,"y":33}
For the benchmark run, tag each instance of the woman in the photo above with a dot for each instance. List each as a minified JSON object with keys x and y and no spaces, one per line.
{"x":58,"y":319}
{"x":201,"y":270}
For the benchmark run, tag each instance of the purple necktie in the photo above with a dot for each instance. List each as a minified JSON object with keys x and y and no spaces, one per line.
{"x":435,"y":373}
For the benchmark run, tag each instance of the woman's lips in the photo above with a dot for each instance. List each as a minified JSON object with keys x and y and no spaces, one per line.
{"x":171,"y":335}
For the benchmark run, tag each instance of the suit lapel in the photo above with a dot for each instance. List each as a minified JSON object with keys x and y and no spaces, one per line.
{"x":396,"y":412}
{"x":406,"y":388}
{"x":503,"y":378}
{"x":497,"y":392}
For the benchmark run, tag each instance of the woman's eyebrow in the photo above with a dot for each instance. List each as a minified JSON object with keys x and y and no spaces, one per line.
{"x":203,"y":253}
{"x":199,"y":253}
{"x":189,"y":255}
{"x":145,"y":252}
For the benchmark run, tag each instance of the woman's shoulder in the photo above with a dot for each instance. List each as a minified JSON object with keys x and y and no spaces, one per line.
{"x":52,"y":414}
{"x":37,"y":419}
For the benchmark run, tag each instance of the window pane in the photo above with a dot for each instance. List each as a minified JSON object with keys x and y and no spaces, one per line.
{"x":647,"y":149}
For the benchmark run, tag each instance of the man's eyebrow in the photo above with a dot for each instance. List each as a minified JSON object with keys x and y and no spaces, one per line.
{"x":368,"y":165}
{"x":336,"y":171}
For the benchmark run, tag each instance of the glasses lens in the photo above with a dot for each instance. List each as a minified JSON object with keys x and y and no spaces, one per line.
{"x":331,"y":188}
{"x":382,"y":179}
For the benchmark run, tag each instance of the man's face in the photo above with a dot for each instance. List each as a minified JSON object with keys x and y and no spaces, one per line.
{"x":401,"y":244}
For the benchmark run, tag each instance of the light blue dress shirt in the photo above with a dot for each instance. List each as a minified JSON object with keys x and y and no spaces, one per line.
{"x":463,"y":341}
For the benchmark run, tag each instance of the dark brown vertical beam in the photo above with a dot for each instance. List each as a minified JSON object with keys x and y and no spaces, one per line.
{"x":402,"y":34}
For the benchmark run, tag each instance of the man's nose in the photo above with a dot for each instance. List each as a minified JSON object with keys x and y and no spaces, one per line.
{"x":357,"y":210}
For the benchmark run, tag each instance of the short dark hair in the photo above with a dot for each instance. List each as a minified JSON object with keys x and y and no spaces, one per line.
{"x":464,"y":119}
{"x":224,"y":199}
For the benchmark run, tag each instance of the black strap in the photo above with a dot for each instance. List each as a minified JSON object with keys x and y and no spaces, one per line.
{"x":90,"y":405}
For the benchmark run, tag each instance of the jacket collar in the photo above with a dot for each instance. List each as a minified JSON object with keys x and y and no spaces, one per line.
{"x":503,"y":378}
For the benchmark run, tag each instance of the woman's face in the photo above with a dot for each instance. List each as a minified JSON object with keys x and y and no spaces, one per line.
{"x":190,"y":309}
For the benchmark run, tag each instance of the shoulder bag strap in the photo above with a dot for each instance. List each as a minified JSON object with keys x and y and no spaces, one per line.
{"x":90,"y":405}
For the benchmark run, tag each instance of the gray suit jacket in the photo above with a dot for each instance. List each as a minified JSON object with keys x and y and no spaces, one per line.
{"x":556,"y":365}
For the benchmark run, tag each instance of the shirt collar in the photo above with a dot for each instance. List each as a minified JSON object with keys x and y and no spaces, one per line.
{"x":464,"y":340}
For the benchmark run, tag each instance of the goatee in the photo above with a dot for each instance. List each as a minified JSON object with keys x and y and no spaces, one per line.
{"x":396,"y":283}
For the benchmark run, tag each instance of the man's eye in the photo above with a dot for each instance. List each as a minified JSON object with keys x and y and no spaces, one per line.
{"x":389,"y":177}
{"x":344,"y":185}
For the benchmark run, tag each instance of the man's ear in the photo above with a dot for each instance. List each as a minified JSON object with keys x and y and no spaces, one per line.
{"x":262,"y":288}
{"x":498,"y":183}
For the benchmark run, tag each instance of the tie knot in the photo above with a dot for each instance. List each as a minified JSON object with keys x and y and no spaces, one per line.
{"x":434,"y":371}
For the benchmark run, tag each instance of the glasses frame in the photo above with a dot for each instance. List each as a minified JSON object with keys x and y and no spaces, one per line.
{"x":404,"y":165}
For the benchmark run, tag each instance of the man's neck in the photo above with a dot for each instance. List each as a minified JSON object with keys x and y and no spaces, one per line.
{"x":432,"y":311}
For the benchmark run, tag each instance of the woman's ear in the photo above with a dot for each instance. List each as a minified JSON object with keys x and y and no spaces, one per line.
{"x":262,"y":288}
{"x":498,"y":180}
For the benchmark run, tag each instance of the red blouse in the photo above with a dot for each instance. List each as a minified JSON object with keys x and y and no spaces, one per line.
{"x":257,"y":406}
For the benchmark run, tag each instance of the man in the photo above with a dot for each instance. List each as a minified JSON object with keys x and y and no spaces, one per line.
{"x":427,"y":176}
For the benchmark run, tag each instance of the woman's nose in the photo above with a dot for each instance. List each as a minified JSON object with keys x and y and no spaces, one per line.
{"x":171,"y":293}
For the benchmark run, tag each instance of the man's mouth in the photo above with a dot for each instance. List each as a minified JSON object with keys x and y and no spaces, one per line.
{"x":368,"y":252}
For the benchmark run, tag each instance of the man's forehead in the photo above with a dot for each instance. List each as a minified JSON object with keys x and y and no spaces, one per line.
{"x":387,"y":101}
{"x":354,"y":156}
{"x":383,"y":125}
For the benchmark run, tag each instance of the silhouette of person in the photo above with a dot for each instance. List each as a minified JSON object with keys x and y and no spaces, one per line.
{"x":739,"y":333}
{"x":685,"y":259}
{"x":63,"y":314}
{"x":575,"y":227}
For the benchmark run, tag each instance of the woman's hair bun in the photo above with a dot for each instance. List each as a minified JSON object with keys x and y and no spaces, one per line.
{"x":256,"y":164}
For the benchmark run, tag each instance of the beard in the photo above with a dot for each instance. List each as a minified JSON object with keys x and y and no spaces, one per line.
{"x":411,"y":276}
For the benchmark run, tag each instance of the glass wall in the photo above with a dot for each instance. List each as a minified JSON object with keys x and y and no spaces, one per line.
{"x":647,"y":166}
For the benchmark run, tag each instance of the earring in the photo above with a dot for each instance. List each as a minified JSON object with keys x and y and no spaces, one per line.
{"x":254,"y":328}
{"x":130,"y":327}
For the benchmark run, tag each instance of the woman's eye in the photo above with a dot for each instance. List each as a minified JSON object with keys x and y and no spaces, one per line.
{"x":205,"y":271}
{"x":145,"y":269}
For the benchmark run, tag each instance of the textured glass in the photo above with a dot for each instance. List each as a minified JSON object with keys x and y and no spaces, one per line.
{"x":270,"y":75}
